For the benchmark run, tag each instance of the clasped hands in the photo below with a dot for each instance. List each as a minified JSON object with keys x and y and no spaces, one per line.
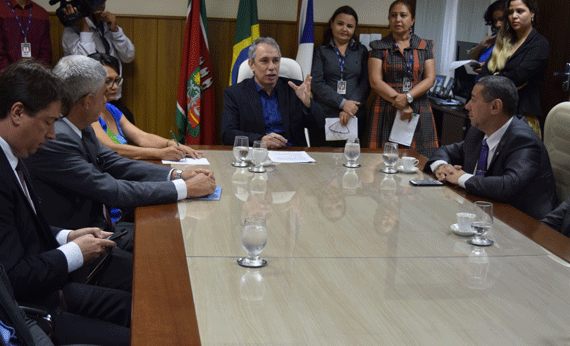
{"x":449,"y":173}
{"x":199,"y":182}
{"x":400,"y":102}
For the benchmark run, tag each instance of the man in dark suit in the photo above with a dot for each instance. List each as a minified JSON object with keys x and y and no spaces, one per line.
{"x":501,"y":157}
{"x":37,"y":258}
{"x":559,"y":218}
{"x":268,"y":107}
{"x":77,"y":178}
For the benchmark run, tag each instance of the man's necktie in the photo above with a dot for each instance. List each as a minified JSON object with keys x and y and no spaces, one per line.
{"x":23,"y":182}
{"x":482,"y":163}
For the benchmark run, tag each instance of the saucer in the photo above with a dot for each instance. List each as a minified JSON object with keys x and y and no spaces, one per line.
{"x":403,"y":170}
{"x":457,"y":231}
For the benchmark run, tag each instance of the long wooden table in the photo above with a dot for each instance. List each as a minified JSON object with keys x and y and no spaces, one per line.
{"x":373,"y":265}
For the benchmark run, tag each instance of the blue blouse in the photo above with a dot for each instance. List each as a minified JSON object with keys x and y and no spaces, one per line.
{"x":117,"y":115}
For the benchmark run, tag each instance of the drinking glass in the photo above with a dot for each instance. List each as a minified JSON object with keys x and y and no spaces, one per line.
{"x":253,"y":239}
{"x":241,"y":148}
{"x":482,"y":222}
{"x":390,"y":157}
{"x":258,"y":156}
{"x":352,"y":152}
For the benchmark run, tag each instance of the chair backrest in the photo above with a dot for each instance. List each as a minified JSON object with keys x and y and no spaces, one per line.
{"x":557,"y":142}
{"x":288,"y":68}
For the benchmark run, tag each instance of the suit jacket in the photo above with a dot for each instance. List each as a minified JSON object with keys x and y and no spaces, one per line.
{"x":559,"y":218}
{"x":74,"y":178}
{"x":27,"y":331}
{"x":28,"y":249}
{"x":243,"y":113}
{"x":527,"y":65}
{"x":519,"y":174}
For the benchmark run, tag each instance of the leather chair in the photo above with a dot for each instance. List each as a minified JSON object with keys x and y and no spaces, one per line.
{"x":557,"y":142}
{"x":288,"y":68}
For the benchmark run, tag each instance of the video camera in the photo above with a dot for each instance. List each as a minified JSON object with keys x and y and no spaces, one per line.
{"x":84,"y":9}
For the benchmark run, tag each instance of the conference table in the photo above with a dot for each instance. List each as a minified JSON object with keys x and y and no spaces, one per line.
{"x":354,"y":257}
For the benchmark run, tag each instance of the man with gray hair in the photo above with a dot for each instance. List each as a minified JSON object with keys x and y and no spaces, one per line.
{"x":501,"y":157}
{"x":268,"y":107}
{"x":78,"y":178}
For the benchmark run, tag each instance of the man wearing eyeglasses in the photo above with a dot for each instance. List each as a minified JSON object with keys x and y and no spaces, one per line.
{"x":80,"y":179}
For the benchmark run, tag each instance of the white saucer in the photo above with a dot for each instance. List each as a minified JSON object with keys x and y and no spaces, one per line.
{"x":457,"y":231}
{"x":403,"y":170}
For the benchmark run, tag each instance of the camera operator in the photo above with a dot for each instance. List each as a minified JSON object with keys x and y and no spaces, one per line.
{"x":24,"y":32}
{"x":97,"y":33}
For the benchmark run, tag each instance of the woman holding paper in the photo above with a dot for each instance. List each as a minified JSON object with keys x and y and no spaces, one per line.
{"x":115,"y":131}
{"x":340,"y":76}
{"x":401,"y":70}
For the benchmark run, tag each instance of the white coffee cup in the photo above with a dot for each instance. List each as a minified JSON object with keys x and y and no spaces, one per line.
{"x":409,"y":162}
{"x":464,"y":221}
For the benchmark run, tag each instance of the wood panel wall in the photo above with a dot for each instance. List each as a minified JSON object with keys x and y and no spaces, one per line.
{"x":151,"y":80}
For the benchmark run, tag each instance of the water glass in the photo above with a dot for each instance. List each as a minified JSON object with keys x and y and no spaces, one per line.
{"x":253,"y":239}
{"x":482,"y":222}
{"x":352,"y":152}
{"x":258,"y":156}
{"x":241,"y":149}
{"x":390,"y":157}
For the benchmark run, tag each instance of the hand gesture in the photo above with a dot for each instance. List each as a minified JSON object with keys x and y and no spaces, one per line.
{"x":111,"y":20}
{"x":92,"y":247}
{"x":351,"y":107}
{"x":303,"y":91}
{"x":274,"y":140}
{"x":200,"y":185}
{"x":344,"y":117}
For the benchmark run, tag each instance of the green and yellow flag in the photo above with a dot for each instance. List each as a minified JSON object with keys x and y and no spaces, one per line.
{"x":247,"y":31}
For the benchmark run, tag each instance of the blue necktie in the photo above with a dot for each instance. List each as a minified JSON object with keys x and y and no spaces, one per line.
{"x":482,"y":163}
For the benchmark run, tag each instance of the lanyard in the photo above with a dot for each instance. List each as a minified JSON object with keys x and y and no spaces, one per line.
{"x":25,"y":33}
{"x":341,"y":61}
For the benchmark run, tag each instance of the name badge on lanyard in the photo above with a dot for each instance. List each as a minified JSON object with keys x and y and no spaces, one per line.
{"x":25,"y":47}
{"x":341,"y":84}
{"x":26,"y":50}
{"x":407,"y":82}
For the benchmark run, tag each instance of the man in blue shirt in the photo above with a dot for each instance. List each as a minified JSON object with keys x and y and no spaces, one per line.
{"x":268,"y":107}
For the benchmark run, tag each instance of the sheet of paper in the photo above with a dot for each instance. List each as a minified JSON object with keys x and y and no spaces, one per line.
{"x":402,"y":130}
{"x":212,"y":197}
{"x":290,"y":157}
{"x":467,"y":63}
{"x":188,"y":161}
{"x":365,"y":40}
{"x":334,"y":131}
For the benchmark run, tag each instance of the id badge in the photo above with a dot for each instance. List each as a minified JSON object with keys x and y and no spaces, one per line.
{"x":26,"y":50}
{"x":407,"y":84}
{"x":341,"y":87}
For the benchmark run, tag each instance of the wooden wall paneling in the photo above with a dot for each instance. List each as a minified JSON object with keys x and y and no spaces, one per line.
{"x":56,"y":31}
{"x":167,"y":75}
{"x":144,"y":97}
{"x":127,"y":24}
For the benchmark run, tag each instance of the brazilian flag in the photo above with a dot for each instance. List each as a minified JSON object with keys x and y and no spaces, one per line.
{"x":247,"y":31}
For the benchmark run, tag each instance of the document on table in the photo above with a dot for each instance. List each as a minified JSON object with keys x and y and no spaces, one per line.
{"x":290,"y":157}
{"x":334,"y":131}
{"x":188,"y":161}
{"x":402,"y":130}
{"x":469,"y":64}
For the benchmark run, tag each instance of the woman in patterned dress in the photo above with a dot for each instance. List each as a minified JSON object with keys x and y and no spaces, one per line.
{"x":402,"y":59}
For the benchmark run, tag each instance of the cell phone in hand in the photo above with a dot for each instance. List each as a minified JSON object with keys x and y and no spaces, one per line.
{"x":117,"y":234}
{"x":426,"y":182}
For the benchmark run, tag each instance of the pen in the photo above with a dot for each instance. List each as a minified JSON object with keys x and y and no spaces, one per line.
{"x":174,"y":137}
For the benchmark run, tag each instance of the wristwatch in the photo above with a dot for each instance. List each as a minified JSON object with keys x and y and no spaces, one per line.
{"x":177,"y":174}
{"x":409,"y":98}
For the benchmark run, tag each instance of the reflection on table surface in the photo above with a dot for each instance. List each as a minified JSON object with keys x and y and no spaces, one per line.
{"x":359,"y":257}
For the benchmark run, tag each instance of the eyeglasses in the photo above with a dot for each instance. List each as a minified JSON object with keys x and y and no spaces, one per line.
{"x":338,"y":128}
{"x":109,"y":82}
